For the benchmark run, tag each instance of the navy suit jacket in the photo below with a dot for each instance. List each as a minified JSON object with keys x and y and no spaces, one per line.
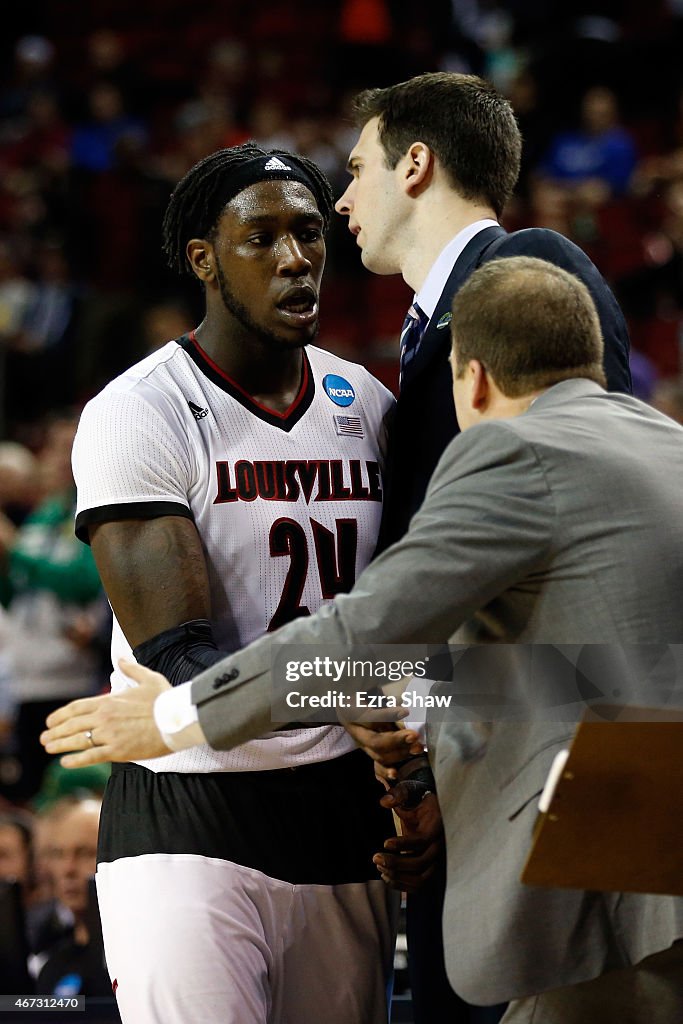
{"x":425,"y":419}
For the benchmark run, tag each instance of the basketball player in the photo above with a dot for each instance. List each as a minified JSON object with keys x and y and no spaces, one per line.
{"x":230,"y":482}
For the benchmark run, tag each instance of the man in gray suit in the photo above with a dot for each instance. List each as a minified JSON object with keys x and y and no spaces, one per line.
{"x":554,"y":518}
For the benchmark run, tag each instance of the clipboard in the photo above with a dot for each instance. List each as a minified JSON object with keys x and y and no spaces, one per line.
{"x":614,"y":817}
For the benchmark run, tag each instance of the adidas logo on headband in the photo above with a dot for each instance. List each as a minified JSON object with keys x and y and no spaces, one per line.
{"x":268,"y":167}
{"x":276,"y":165}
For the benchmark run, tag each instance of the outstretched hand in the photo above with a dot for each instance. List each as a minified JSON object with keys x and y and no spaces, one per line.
{"x":113,"y":727}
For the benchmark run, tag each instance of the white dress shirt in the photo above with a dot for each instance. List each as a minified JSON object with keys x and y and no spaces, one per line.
{"x":435,"y":282}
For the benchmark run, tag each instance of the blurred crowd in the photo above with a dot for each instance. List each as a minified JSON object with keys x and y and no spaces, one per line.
{"x":99,"y":121}
{"x":51,"y":937}
{"x":54,"y":625}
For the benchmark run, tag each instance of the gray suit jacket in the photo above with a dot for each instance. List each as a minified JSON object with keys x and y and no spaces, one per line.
{"x":560,"y":526}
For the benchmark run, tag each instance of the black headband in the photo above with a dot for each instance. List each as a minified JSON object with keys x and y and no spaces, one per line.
{"x":269,"y":167}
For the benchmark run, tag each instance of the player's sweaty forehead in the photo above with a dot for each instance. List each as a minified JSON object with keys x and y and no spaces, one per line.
{"x":270,"y":201}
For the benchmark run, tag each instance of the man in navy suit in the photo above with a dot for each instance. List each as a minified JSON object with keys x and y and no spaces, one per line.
{"x":436,"y":160}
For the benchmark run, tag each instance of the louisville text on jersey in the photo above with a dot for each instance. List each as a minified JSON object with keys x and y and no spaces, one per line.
{"x":316,"y":480}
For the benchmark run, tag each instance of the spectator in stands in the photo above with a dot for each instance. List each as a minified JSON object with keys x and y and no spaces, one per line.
{"x":54,"y":604}
{"x":536,"y":124}
{"x":45,"y":343}
{"x":39,"y":922}
{"x":548,"y":206}
{"x":224,"y":79}
{"x":44,"y":923}
{"x":107,"y":59}
{"x":16,"y":294}
{"x":48,"y":921}
{"x":20,"y":486}
{"x":94,"y":140}
{"x":597,"y":159}
{"x":16,"y":885}
{"x":40,"y":142}
{"x":20,"y":490}
{"x":32,"y":71}
{"x":75,"y":963}
{"x":663,"y":163}
{"x":16,"y":861}
{"x":200,"y":128}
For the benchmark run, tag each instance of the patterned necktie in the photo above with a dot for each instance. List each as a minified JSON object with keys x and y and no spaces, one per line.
{"x":411,"y":335}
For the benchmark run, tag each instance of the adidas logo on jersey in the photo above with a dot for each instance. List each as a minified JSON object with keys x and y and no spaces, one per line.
{"x":276,"y":165}
{"x":197,"y":411}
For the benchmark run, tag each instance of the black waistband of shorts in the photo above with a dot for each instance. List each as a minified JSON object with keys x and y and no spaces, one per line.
{"x":315,"y":823}
{"x":330,"y":768}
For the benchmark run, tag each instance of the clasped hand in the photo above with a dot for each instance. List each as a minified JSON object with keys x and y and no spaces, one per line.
{"x":408,"y":859}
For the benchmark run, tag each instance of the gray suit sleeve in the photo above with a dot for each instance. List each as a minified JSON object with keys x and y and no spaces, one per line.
{"x":486,"y":523}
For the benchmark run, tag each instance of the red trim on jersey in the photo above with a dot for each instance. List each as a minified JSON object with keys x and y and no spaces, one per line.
{"x":233,"y":383}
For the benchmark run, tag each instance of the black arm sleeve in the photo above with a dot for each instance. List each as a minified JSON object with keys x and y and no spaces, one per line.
{"x":180,"y":653}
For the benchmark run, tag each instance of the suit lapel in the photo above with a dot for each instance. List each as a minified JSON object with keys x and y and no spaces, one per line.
{"x":435,"y":337}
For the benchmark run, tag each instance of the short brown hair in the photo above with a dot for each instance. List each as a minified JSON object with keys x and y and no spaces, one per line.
{"x":530,"y":323}
{"x":469,"y":126}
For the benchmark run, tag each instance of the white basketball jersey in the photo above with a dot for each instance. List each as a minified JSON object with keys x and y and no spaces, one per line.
{"x":287,"y":505}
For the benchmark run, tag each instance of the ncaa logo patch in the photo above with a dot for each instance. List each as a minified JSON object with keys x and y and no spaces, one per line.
{"x":338,"y":390}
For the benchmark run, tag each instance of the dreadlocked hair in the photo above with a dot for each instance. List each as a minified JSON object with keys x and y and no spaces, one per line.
{"x":196,"y":204}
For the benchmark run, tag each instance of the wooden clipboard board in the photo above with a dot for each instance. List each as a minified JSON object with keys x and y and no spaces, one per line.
{"x":615,"y":818}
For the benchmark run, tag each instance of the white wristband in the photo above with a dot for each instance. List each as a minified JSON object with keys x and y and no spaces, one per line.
{"x":176,"y":718}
